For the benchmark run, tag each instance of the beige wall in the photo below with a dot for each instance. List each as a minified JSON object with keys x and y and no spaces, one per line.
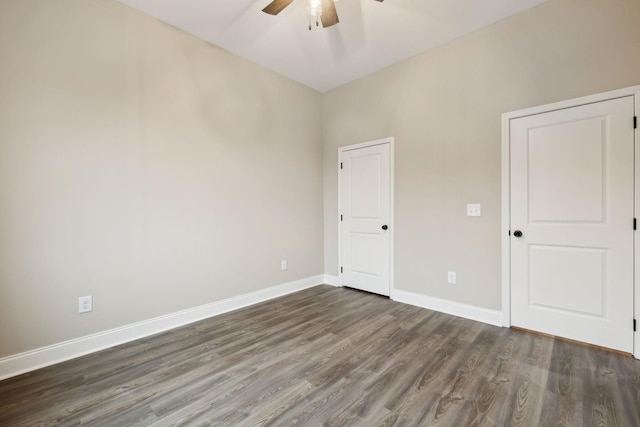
{"x":144,"y":167}
{"x":444,"y":109}
{"x":157,"y":173}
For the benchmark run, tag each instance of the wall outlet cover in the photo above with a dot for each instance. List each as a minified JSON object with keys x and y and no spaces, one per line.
{"x":451,"y":277}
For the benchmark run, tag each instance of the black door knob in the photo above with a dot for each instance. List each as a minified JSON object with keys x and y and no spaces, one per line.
{"x":384,"y":227}
{"x":517,"y":233}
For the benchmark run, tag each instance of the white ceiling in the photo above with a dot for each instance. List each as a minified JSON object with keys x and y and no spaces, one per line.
{"x":369,"y":37}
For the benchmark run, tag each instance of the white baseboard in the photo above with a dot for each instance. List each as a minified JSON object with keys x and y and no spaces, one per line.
{"x":332,"y":280}
{"x":39,"y":358}
{"x":492,"y":317}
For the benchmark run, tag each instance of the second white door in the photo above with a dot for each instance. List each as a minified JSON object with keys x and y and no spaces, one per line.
{"x":365,"y":218}
{"x":572,"y":173}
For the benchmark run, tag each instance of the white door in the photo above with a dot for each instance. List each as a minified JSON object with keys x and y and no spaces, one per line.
{"x":365,"y":218}
{"x":572,"y":174}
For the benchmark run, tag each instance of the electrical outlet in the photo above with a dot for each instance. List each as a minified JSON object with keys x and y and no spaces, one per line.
{"x":85,"y":304}
{"x":283,"y":265}
{"x":451,"y":277}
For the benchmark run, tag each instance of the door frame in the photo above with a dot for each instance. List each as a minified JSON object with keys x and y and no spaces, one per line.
{"x":506,"y":191}
{"x":391,"y":141}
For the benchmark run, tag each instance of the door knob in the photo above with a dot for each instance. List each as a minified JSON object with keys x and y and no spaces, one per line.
{"x":384,"y":227}
{"x":517,"y":233}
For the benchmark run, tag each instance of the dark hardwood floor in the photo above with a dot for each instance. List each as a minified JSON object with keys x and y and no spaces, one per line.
{"x":335,"y":357}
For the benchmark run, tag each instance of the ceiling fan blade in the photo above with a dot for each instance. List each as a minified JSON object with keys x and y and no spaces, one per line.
{"x":276,"y":6}
{"x":329,"y":15}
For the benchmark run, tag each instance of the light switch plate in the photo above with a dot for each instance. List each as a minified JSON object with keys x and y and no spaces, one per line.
{"x":85,"y":304}
{"x":473,"y":210}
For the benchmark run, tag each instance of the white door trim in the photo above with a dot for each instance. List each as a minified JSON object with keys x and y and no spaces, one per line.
{"x":390,"y":140}
{"x":506,"y":189}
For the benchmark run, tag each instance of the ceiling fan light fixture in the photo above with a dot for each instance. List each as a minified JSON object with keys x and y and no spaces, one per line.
{"x":315,"y":11}
{"x":323,"y":10}
{"x":315,"y":8}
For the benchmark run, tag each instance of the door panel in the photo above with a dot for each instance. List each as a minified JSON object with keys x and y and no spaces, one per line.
{"x":364,"y":171}
{"x":571,"y":195}
{"x":365,"y":253}
{"x":558,"y":274}
{"x":552,"y":150}
{"x":365,"y":209}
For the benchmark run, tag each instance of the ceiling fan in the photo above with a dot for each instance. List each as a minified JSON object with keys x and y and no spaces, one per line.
{"x":322,"y":10}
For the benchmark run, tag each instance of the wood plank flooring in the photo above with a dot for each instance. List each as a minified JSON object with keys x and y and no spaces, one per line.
{"x":332,"y":357}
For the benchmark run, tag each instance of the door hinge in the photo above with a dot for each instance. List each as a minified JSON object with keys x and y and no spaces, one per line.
{"x":509,"y":232}
{"x":340,"y":217}
{"x":635,"y":224}
{"x":340,"y":165}
{"x":341,"y":270}
{"x":634,"y":325}
{"x":635,"y":122}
